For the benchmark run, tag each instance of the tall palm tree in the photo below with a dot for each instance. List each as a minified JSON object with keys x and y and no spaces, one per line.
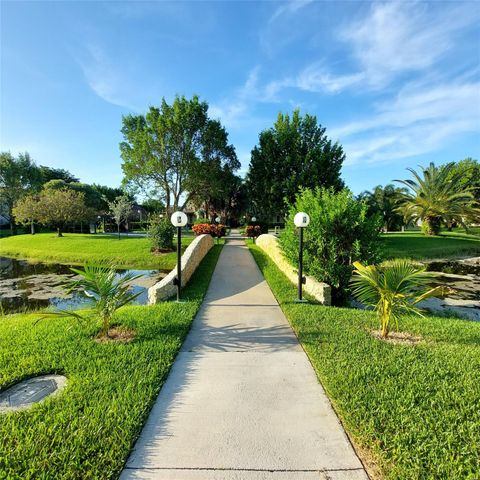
{"x":393,"y":289}
{"x":437,"y":196}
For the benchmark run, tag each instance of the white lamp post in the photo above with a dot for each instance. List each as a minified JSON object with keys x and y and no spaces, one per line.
{"x":301,"y":220}
{"x":254,"y":219}
{"x":218,"y":219}
{"x":179,"y":220}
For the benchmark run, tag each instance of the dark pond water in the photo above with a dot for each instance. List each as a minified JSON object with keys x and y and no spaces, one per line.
{"x":31,"y":286}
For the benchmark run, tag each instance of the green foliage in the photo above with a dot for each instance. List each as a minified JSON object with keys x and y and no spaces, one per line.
{"x":161,"y":232}
{"x":18,"y":177}
{"x":294,"y":153}
{"x":48,"y":173}
{"x":382,"y":201}
{"x":88,"y":431}
{"x":108,"y":292}
{"x":120,"y":210}
{"x":438,"y":195}
{"x":413,"y":408}
{"x":56,"y":208}
{"x":165,"y":150}
{"x":340,"y":233}
{"x":393,"y":289}
{"x":131,"y":252}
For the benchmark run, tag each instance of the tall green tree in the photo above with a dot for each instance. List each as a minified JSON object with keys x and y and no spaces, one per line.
{"x":382,"y":201}
{"x":163,"y":149}
{"x":50,"y":173}
{"x":438,"y":196}
{"x":294,"y":153}
{"x":60,"y":207}
{"x":18,"y":177}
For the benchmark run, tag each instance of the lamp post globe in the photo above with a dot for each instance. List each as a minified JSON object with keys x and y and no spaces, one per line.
{"x":301,"y":220}
{"x":254,"y":219}
{"x":217,"y":219}
{"x":179,"y":220}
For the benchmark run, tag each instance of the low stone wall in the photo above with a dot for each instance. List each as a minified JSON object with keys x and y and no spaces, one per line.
{"x":191,"y":258}
{"x":319,"y":290}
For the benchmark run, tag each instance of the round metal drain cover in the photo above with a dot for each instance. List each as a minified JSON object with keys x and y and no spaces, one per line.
{"x":33,"y":390}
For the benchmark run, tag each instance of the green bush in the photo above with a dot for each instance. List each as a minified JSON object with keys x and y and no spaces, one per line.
{"x":340,"y":233}
{"x":161,"y":232}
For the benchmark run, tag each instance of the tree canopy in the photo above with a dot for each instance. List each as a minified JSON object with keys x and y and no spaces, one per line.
{"x":166,"y":150}
{"x":18,"y":177}
{"x":294,"y":153}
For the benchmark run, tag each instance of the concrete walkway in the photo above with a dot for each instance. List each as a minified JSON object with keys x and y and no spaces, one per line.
{"x":242,"y":400}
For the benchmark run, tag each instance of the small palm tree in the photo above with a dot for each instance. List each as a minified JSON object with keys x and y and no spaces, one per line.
{"x":437,"y":196}
{"x":108,"y":292}
{"x":392,"y":289}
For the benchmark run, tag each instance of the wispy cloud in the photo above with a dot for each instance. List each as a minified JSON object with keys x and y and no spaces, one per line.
{"x":288,"y":8}
{"x":417,"y":121}
{"x":234,"y":109}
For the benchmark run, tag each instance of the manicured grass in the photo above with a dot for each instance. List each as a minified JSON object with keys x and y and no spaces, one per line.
{"x":412,"y":410}
{"x":417,"y":246}
{"x":76,"y":248}
{"x":87,"y":431}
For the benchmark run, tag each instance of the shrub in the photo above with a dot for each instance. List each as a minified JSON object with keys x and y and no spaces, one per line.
{"x":212,"y":229}
{"x":161,"y":232}
{"x":253,"y":231}
{"x":340,"y":233}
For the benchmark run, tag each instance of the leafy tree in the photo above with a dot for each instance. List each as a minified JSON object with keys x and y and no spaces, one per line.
{"x":27,"y":211}
{"x":48,"y":173}
{"x":437,"y":195}
{"x":152,"y":205}
{"x":120,"y":209}
{"x":60,"y":207}
{"x":163,"y":149}
{"x":340,"y":233}
{"x":294,"y":153}
{"x":383,"y":201}
{"x":393,"y":289}
{"x":18,"y":177}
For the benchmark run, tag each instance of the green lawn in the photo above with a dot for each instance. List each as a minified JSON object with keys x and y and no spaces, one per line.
{"x":76,"y":248}
{"x":87,"y":431}
{"x":417,"y":246}
{"x":413,"y":410}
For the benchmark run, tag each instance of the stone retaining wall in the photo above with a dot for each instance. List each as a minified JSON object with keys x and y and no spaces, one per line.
{"x":319,"y":290}
{"x":191,"y":258}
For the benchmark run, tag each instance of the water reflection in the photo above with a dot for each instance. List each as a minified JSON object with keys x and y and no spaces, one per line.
{"x":28,"y":286}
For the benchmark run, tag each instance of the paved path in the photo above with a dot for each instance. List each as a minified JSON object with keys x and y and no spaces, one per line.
{"x":242,"y":400}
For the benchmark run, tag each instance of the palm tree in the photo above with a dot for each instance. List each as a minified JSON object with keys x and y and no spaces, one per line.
{"x":437,"y":196}
{"x":392,"y":289}
{"x":108,"y":292}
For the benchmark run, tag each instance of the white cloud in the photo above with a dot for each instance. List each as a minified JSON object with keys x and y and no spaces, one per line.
{"x":398,"y":37}
{"x":288,"y":8}
{"x":234,"y":109}
{"x":417,"y":121}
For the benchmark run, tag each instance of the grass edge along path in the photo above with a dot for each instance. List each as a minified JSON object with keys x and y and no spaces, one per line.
{"x":411,"y":411}
{"x":77,"y":248}
{"x":89,"y":429}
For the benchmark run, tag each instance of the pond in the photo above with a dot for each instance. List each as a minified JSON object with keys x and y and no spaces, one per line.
{"x":463,"y":276}
{"x":32,"y":286}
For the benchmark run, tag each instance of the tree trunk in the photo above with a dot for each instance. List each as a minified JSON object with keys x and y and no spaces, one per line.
{"x":432,"y":225}
{"x":32,"y":228}
{"x":118,"y":227}
{"x":59,"y":232}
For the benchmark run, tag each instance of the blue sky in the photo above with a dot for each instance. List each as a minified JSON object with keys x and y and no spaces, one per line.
{"x":397,"y":83}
